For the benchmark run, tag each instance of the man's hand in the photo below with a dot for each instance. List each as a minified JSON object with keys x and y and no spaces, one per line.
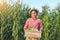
{"x":40,"y":33}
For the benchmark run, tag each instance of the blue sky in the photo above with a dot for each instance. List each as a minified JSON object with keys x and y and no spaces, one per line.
{"x":39,"y":3}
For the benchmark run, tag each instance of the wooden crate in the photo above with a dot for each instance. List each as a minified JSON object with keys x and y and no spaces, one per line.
{"x":34,"y":34}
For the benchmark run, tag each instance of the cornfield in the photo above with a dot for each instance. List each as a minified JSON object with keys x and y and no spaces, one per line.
{"x":12,"y":20}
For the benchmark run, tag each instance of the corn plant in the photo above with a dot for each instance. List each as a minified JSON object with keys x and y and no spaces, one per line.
{"x":13,"y":18}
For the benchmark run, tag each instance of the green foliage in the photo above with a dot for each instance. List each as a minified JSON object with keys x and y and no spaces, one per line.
{"x":51,"y":23}
{"x":12,"y":20}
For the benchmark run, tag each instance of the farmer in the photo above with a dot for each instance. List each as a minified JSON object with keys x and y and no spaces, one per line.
{"x":34,"y":23}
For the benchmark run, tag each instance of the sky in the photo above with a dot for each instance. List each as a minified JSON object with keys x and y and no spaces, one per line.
{"x":39,"y":3}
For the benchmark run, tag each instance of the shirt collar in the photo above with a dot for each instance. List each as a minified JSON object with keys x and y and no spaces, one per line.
{"x":34,"y":18}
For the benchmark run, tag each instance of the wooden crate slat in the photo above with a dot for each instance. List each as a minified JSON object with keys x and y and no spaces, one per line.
{"x":36,"y":34}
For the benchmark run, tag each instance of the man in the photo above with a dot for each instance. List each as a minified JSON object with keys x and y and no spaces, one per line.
{"x":33,"y":22}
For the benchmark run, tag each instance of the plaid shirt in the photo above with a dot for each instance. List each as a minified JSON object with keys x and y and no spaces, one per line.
{"x":34,"y":23}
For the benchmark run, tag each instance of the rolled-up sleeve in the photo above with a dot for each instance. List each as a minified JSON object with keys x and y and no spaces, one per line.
{"x":41,"y":25}
{"x":26,"y":24}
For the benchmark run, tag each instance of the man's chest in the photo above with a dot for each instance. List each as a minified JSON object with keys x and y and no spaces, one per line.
{"x":33,"y":23}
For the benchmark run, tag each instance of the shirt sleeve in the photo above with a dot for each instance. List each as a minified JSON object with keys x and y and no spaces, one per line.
{"x":40,"y":24}
{"x":26,"y":24}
